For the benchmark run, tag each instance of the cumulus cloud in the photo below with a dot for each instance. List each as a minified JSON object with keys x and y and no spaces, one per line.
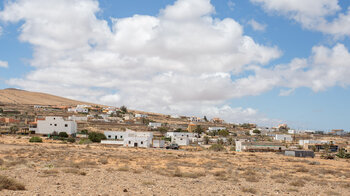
{"x":312,"y":14}
{"x":325,"y":68}
{"x":180,"y":61}
{"x":257,"y":26}
{"x":4,"y":64}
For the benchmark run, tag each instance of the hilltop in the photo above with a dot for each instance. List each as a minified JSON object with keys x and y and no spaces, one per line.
{"x":22,"y":97}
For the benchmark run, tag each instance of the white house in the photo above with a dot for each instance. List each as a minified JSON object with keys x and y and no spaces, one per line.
{"x":210,"y":129}
{"x":115,"y":135}
{"x":56,"y":124}
{"x":292,"y":131}
{"x":80,"y":109}
{"x":181,"y":141}
{"x":242,"y":146}
{"x":281,"y":137}
{"x":129,"y":138}
{"x":189,"y":135}
{"x":141,"y":115}
{"x":303,"y":142}
{"x":182,"y":138}
{"x":154,"y":125}
{"x":138,"y":139}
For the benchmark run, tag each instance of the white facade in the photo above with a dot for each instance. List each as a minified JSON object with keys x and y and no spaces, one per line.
{"x":181,"y":141}
{"x":280,"y":137}
{"x":189,"y":135}
{"x":141,"y":116}
{"x":158,"y":143}
{"x":56,"y":124}
{"x":80,"y":109}
{"x":154,"y":125}
{"x":210,"y":129}
{"x":303,"y":142}
{"x":129,"y":138}
{"x":115,"y":135}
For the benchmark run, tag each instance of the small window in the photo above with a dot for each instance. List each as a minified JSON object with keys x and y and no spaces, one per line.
{"x":129,"y":142}
{"x":141,"y":142}
{"x":54,"y":118}
{"x":121,"y":136}
{"x":50,"y":124}
{"x":109,"y":136}
{"x":55,"y":125}
{"x":66,"y":125}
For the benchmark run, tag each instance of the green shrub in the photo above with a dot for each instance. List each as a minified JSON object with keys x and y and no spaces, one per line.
{"x":96,"y":137}
{"x":63,"y":134}
{"x":36,"y":139}
{"x":56,"y":137}
{"x":217,"y":147}
{"x":84,"y":131}
{"x":71,"y":140}
{"x":85,"y":141}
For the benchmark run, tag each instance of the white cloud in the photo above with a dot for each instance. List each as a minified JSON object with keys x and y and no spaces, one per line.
{"x":178,"y":62}
{"x":4,"y":64}
{"x":312,"y":14}
{"x":257,"y":26}
{"x":325,"y":68}
{"x":231,"y":5}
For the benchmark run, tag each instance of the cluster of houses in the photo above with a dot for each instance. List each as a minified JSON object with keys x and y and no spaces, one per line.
{"x":245,"y":138}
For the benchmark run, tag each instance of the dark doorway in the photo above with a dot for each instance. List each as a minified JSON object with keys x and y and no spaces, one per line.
{"x":135,"y":144}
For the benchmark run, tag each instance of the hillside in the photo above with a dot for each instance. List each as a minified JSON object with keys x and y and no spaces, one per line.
{"x":22,"y":97}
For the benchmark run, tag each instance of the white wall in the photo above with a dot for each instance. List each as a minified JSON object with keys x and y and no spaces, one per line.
{"x":158,"y":143}
{"x":56,"y":124}
{"x":181,"y":141}
{"x":283,"y":137}
{"x":115,"y":135}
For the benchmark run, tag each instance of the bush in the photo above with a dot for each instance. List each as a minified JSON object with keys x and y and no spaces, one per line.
{"x":223,"y":133}
{"x":10,"y":184}
{"x":84,"y":131}
{"x":342,"y":154}
{"x":85,"y":141}
{"x":71,"y":140}
{"x":36,"y":139}
{"x":217,"y":147}
{"x":96,"y":137}
{"x":57,"y":138}
{"x":63,"y":134}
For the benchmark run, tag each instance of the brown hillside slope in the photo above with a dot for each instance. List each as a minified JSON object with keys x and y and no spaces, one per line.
{"x":21,"y":97}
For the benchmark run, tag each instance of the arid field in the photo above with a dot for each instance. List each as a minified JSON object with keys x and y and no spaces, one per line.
{"x":72,"y":169}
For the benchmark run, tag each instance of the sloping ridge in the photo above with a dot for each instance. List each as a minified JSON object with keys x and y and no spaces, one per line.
{"x":22,"y":97}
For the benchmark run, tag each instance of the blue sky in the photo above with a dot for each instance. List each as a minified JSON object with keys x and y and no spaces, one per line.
{"x":150,"y":75}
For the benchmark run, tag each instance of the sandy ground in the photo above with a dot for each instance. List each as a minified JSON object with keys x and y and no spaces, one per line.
{"x":72,"y":169}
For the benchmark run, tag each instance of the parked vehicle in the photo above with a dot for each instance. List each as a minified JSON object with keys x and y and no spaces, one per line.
{"x":173,"y":146}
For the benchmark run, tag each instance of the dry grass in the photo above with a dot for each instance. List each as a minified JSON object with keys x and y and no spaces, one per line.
{"x":179,"y":173}
{"x":298,"y":183}
{"x":103,"y":161}
{"x":148,"y":183}
{"x":10,"y":184}
{"x":249,"y":190}
{"x":74,"y":171}
{"x":123,"y":168}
